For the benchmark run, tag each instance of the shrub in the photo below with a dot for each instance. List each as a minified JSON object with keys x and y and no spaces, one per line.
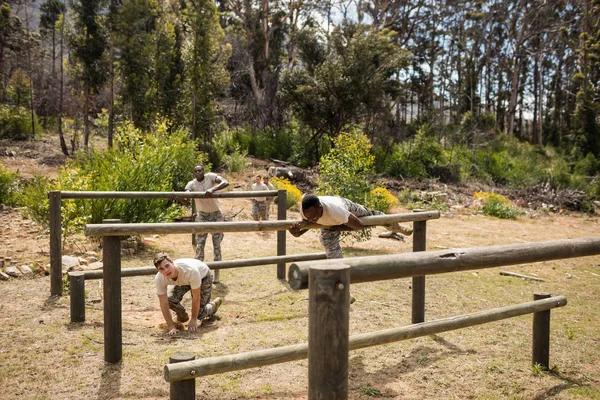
{"x":294,"y":195}
{"x":496,"y":205}
{"x":344,"y":171}
{"x":381,"y":199}
{"x":417,"y":157}
{"x":15,"y":123}
{"x":33,"y":196}
{"x":8,"y":186}
{"x":156,"y":161}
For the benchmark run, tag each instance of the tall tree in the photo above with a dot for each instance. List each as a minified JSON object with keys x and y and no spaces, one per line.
{"x":50,"y":13}
{"x":205,"y":61}
{"x":88,"y":42}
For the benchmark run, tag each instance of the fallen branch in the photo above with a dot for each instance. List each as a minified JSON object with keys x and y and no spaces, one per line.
{"x":521,"y":276}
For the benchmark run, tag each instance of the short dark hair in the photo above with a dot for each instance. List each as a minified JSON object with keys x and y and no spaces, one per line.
{"x":310,"y":200}
{"x":160,"y":257}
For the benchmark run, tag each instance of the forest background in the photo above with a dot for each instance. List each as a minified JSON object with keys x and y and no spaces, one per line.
{"x":500,"y":92}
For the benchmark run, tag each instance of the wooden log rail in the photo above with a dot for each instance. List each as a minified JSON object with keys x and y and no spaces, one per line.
{"x":55,"y":202}
{"x":238,"y":226}
{"x":166,"y":195}
{"x":395,"y":266}
{"x":77,"y":278}
{"x":228,"y":264}
{"x":235,"y":362}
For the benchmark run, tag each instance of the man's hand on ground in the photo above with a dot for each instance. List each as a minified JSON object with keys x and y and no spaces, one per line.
{"x":193,"y":325}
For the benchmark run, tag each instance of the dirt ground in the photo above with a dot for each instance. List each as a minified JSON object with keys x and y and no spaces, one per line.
{"x":43,"y":356}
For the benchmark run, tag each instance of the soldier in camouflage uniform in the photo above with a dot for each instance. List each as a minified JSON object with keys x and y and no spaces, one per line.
{"x":177,"y":277}
{"x":338,"y":214}
{"x":207,"y":210}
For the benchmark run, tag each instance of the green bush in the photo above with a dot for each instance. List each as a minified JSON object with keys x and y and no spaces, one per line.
{"x":33,"y":197}
{"x":345,"y":170}
{"x":416,"y":158}
{"x":496,"y":208}
{"x":8,"y":186}
{"x":157,"y":161}
{"x":15,"y":123}
{"x":496,"y":205}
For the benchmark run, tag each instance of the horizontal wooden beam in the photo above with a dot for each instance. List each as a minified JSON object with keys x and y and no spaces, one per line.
{"x":165,"y":195}
{"x":406,"y":265}
{"x":238,"y":226}
{"x":249,"y":262}
{"x":259,"y":358}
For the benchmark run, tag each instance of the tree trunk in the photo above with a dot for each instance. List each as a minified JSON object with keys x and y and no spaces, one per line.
{"x":512,"y":105}
{"x":63,"y":144}
{"x":86,"y":123}
{"x":111,"y":100}
{"x":540,"y":97}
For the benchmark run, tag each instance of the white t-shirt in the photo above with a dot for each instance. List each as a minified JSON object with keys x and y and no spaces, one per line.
{"x":190,"y":272}
{"x":206,"y":205}
{"x":259,"y":187}
{"x":334,"y":211}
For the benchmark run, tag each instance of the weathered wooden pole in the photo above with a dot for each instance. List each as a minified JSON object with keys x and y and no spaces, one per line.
{"x":281,"y":235}
{"x":228,"y":264}
{"x":407,"y":265}
{"x":182,"y":390}
{"x":259,"y":358}
{"x":418,"y":282}
{"x":113,"y":319}
{"x":541,"y":334}
{"x":328,"y":327}
{"x":165,"y":195}
{"x":77,"y":296}
{"x":238,"y":226}
{"x":54,"y":198}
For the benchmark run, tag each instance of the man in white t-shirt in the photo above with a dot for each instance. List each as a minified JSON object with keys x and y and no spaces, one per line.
{"x":259,"y":204}
{"x":207,"y":210}
{"x":177,"y":277}
{"x":337,"y":214}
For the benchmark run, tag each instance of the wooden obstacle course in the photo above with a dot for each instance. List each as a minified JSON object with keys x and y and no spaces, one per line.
{"x":116,"y":230}
{"x":236,"y":362}
{"x":55,"y":200}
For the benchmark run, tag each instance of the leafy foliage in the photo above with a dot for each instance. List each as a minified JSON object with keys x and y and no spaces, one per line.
{"x":7,"y":186}
{"x":496,"y":205}
{"x":345,"y":170}
{"x":294,"y":195}
{"x":381,"y":199}
{"x":15,"y":123}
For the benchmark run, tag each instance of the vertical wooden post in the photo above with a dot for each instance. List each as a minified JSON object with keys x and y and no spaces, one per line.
{"x":281,"y":235}
{"x":77,"y":290}
{"x":328,"y":327}
{"x":54,"y":198}
{"x":186,"y":389}
{"x":193,"y":220}
{"x":418,"y":282}
{"x":113,"y":329}
{"x":541,"y":334}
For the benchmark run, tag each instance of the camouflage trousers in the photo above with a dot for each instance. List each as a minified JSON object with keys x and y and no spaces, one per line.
{"x":259,"y":210}
{"x":217,"y":237}
{"x":330,"y":239}
{"x":176,"y":294}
